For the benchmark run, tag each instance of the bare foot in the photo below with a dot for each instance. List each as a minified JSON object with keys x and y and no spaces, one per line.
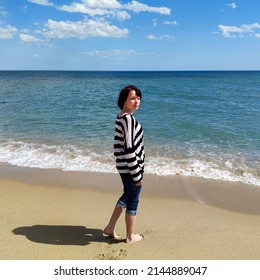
{"x":111,"y":233}
{"x":134,"y":238}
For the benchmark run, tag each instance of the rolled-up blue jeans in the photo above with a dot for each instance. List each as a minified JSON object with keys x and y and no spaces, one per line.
{"x":130,"y":197}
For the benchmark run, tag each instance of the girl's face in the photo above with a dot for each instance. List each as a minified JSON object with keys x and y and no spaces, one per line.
{"x":132,"y":103}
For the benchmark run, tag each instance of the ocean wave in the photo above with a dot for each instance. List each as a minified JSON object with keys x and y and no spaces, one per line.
{"x":71,"y":158}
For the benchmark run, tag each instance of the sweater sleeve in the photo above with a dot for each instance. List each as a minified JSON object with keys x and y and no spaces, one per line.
{"x":130,"y":149}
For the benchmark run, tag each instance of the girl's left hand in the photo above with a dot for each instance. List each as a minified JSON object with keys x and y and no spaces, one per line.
{"x":139,"y":184}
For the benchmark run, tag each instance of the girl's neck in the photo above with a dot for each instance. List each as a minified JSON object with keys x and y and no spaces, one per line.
{"x":125,"y":112}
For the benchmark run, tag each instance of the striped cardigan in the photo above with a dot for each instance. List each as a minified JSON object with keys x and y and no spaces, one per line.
{"x":129,"y":147}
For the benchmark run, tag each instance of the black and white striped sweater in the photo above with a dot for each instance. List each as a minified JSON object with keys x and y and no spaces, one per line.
{"x":129,"y":146}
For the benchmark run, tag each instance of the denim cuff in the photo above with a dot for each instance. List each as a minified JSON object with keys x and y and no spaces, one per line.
{"x":131,"y":212}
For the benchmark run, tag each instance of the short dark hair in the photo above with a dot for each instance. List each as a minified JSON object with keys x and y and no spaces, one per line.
{"x":124,"y":94}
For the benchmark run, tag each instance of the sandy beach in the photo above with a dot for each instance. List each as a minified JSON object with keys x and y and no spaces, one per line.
{"x":56,"y":215}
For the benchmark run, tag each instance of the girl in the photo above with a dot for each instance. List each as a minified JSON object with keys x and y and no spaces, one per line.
{"x":129,"y":153}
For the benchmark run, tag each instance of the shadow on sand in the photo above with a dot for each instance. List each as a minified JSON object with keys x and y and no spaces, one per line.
{"x":63,"y":234}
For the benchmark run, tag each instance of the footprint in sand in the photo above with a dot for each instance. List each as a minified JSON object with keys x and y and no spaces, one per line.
{"x":113,"y":255}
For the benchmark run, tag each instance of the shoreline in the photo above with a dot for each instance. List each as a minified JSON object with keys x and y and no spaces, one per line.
{"x":54,"y":214}
{"x":203,"y":191}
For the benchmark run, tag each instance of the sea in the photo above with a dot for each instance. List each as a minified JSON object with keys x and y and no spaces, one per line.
{"x":196,"y":123}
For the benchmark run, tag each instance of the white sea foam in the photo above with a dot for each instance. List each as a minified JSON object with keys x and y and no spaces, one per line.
{"x":71,"y":158}
{"x":64,"y":157}
{"x":198,"y":168}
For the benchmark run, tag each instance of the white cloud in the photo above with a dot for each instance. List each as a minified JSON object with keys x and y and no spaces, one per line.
{"x":250,"y":27}
{"x":110,"y":53}
{"x":3,"y":12}
{"x":102,"y":4}
{"x":151,"y":37}
{"x":104,"y":7}
{"x":29,"y":38}
{"x":97,"y":8}
{"x":233,"y":31}
{"x":41,"y":2}
{"x":227,"y":31}
{"x":7,"y":32}
{"x":138,"y":7}
{"x":82,"y":29}
{"x":110,"y":8}
{"x":257,"y":35}
{"x":162,"y":37}
{"x":122,"y":15}
{"x":171,"y":22}
{"x":232,"y":5}
{"x":114,"y":53}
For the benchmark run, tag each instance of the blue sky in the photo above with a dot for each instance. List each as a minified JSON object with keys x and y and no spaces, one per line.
{"x":129,"y":35}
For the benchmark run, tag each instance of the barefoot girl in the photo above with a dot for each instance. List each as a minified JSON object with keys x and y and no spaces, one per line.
{"x":129,"y":153}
